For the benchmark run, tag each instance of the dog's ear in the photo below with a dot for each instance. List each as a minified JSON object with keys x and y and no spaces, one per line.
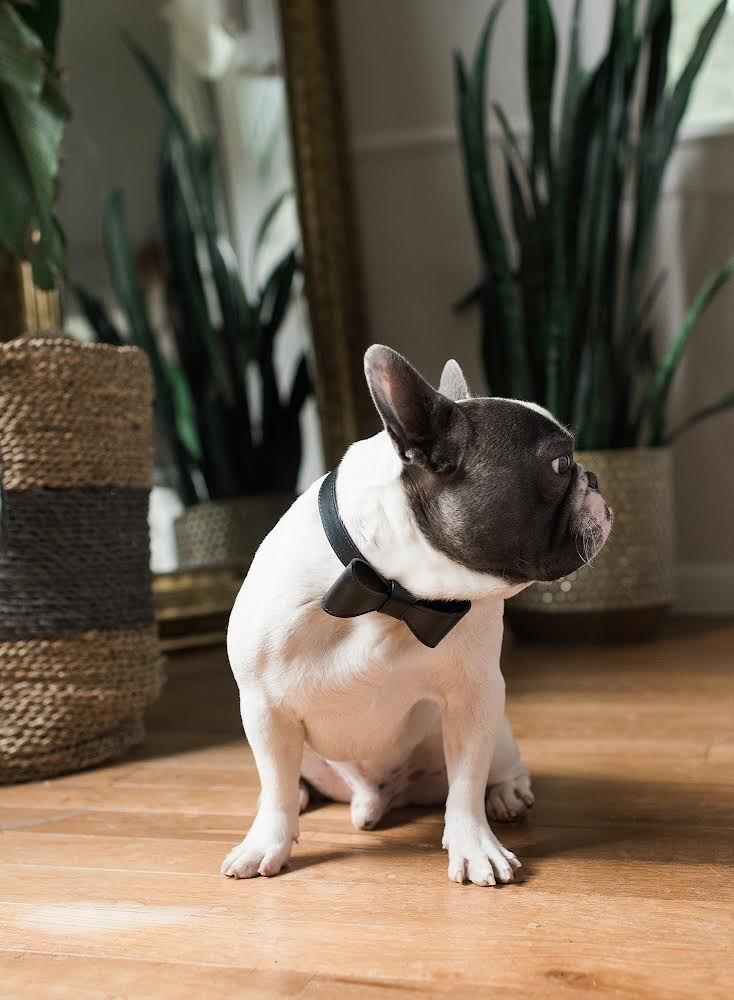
{"x":453,"y":384}
{"x":427,"y":429}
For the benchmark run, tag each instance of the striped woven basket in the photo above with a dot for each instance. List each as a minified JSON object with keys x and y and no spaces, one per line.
{"x":79,"y":656}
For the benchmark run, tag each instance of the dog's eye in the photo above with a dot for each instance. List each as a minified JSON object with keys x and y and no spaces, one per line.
{"x":562,"y":464}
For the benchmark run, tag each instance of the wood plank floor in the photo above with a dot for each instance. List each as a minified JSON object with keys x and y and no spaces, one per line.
{"x":109,"y":883}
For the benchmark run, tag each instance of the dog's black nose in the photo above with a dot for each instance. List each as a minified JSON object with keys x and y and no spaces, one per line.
{"x":592,"y":481}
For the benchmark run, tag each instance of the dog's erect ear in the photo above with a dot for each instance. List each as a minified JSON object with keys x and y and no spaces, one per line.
{"x":453,"y":384}
{"x":427,"y":429}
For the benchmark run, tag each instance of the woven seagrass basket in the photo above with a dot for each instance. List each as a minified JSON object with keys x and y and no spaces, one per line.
{"x":79,"y":655}
{"x":227,"y":533}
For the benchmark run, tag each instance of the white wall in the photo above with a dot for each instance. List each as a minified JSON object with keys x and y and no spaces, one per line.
{"x":418,"y":246}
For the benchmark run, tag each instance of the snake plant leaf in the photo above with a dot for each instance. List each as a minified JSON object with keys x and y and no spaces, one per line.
{"x":261,"y":233}
{"x":725,"y":403}
{"x":301,"y":387}
{"x":274,"y":301}
{"x":234,"y":326}
{"x":540,"y":62}
{"x":185,"y":410}
{"x":656,"y":144}
{"x":275,"y":297}
{"x":503,"y":342}
{"x":130,"y":295}
{"x":95,"y":314}
{"x":197,"y":338}
{"x":659,"y":22}
{"x":660,"y":386}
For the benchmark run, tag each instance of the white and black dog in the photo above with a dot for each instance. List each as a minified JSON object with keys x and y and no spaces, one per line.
{"x":458,"y":500}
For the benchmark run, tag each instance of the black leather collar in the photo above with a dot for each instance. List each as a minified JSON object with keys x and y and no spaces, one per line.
{"x":360,"y":589}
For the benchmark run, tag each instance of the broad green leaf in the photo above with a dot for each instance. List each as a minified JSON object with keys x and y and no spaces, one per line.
{"x":22,"y":66}
{"x":43,"y":17}
{"x":16,"y":191}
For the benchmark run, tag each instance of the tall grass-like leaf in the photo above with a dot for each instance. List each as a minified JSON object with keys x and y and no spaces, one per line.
{"x":95,"y":314}
{"x":540,"y":61}
{"x":658,"y":27}
{"x":656,"y":143}
{"x":660,"y":386}
{"x":234,"y":326}
{"x":725,"y":403}
{"x":131,"y":298}
{"x":504,"y":345}
{"x":578,"y":308}
{"x":263,"y":229}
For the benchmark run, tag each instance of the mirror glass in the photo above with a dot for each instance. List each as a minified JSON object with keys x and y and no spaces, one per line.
{"x":178,"y":203}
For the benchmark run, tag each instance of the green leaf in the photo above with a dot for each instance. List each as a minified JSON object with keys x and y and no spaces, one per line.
{"x":657,"y":138}
{"x":503,"y":345}
{"x":43,"y":17}
{"x":22,"y":66}
{"x":184,"y":408}
{"x":276,"y":296}
{"x":121,"y":262}
{"x":725,"y":403}
{"x":16,"y":201}
{"x":301,"y":387}
{"x":660,"y":387}
{"x":263,"y":228}
{"x":96,"y":315}
{"x":233,"y":306}
{"x":540,"y":67}
{"x":657,"y":30}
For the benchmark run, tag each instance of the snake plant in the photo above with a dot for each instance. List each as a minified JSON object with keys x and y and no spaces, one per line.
{"x":563,"y":292}
{"x":33,"y":113}
{"x":220,"y":445}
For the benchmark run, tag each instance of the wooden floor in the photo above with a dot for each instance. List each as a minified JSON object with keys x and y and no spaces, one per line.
{"x":109,"y":883}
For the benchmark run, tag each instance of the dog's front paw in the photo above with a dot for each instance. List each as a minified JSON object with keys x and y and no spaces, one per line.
{"x":256,"y":856}
{"x":475,"y":855}
{"x":510,"y":800}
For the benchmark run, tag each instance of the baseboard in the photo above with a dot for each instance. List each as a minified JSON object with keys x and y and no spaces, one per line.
{"x":705,"y":589}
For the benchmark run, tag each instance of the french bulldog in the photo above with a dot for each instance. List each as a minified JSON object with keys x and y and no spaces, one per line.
{"x":457,"y":499}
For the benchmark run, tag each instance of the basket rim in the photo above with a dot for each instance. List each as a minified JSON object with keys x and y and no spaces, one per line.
{"x":29,"y":345}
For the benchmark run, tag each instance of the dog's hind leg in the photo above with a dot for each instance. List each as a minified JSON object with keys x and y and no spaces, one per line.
{"x":509,"y":794}
{"x":346,"y":782}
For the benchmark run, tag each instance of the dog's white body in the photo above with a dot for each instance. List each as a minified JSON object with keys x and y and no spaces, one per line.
{"x":358,"y":706}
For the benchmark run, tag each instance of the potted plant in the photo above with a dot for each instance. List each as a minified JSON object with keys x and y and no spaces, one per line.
{"x":564,"y":296}
{"x":235,"y":468}
{"x":33,"y":114}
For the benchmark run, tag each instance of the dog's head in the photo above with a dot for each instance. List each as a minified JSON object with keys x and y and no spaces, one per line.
{"x":492,"y":482}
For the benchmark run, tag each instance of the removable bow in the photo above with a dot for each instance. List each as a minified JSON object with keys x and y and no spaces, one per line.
{"x":360,"y":588}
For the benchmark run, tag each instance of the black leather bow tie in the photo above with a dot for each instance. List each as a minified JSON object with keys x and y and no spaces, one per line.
{"x":360,"y":588}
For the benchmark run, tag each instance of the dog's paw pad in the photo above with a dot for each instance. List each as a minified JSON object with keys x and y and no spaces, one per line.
{"x":479,"y":857}
{"x":247,"y":860}
{"x":509,"y":801}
